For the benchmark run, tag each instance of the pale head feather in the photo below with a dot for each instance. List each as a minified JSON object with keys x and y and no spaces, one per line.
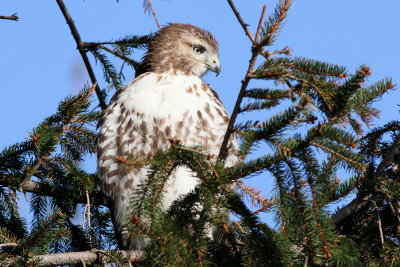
{"x":177,"y":48}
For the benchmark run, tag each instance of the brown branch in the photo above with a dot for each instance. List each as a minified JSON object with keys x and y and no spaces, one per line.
{"x":325,"y":243}
{"x":47,"y":190}
{"x":395,"y":213}
{"x":239,"y":18}
{"x":260,"y":23}
{"x":82,"y":51}
{"x":224,"y":146}
{"x":94,"y":256}
{"x":378,"y":217}
{"x":32,"y":171}
{"x":355,"y":205}
{"x":154,"y":13}
{"x":123,"y":57}
{"x":12,"y":17}
{"x":255,"y":195}
{"x":275,"y":28}
{"x":389,"y":158}
{"x":256,"y":50}
{"x":358,"y":203}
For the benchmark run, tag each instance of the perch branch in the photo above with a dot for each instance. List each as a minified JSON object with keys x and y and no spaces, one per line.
{"x":94,"y":256}
{"x":8,"y":245}
{"x":82,"y":51}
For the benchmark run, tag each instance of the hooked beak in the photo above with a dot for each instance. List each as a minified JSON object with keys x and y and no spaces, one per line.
{"x":214,"y":65}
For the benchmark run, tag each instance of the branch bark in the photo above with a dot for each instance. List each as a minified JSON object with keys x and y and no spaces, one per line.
{"x":255,"y":52}
{"x":351,"y":208}
{"x":242,"y":23}
{"x":12,"y":17}
{"x":95,"y":256}
{"x":48,"y":190}
{"x":135,"y":64}
{"x":154,"y":13}
{"x":82,"y":51}
{"x":257,"y":49}
{"x":358,"y":203}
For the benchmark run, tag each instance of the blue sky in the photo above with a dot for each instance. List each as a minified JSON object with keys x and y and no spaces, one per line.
{"x":40,"y":65}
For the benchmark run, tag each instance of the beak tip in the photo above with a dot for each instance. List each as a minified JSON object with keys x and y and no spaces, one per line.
{"x":214,"y":66}
{"x":217,"y":71}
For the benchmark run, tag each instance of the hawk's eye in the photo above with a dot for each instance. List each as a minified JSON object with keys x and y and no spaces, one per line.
{"x":199,"y":49}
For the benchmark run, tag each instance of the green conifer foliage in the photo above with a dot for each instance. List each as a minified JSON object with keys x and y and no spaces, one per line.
{"x":315,"y":115}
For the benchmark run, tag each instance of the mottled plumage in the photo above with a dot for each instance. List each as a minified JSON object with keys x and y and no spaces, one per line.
{"x":167,"y":101}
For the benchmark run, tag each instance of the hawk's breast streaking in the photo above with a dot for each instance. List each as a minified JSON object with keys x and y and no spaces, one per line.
{"x":168,"y":101}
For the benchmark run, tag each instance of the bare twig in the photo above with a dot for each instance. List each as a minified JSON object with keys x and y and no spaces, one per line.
{"x":12,"y":17}
{"x":239,"y":18}
{"x":260,"y":23}
{"x":47,"y":190}
{"x":256,"y":50}
{"x":275,"y":28}
{"x":224,"y":146}
{"x":154,"y":13}
{"x":378,"y":217}
{"x":70,"y":258}
{"x":123,"y":57}
{"x":82,"y":51}
{"x":87,"y":214}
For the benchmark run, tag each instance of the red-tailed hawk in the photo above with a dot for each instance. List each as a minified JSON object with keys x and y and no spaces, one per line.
{"x":168,"y":101}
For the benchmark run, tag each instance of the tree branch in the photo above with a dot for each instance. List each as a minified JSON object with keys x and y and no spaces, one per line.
{"x":275,"y":28}
{"x":8,"y":245}
{"x":224,"y":146}
{"x":154,"y":13}
{"x":351,"y":208}
{"x":389,"y":158}
{"x":123,"y":57}
{"x":256,"y":50}
{"x":239,"y":18}
{"x":359,"y":203}
{"x":378,"y":217}
{"x":260,"y":23}
{"x":82,"y":51}
{"x":48,"y":190}
{"x":12,"y":17}
{"x":94,"y":256}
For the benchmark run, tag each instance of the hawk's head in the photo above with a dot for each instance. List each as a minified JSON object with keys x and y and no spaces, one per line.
{"x":182,"y":47}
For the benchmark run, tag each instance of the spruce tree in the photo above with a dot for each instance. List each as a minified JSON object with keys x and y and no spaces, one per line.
{"x":318,"y":132}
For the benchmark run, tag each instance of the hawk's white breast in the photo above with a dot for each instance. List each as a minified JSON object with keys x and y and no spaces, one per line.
{"x":143,"y":117}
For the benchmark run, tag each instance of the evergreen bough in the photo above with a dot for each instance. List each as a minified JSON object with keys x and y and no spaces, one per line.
{"x":318,"y":133}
